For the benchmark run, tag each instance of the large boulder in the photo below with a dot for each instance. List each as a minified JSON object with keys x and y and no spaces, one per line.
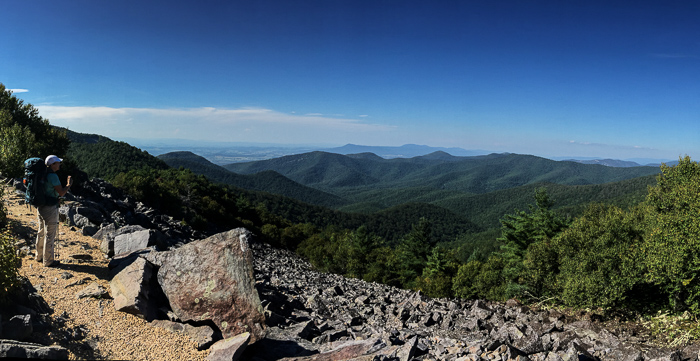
{"x":131,"y":289}
{"x":130,"y":242}
{"x":212,"y":279}
{"x":108,"y":233}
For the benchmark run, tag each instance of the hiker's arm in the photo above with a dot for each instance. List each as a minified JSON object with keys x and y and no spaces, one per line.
{"x":61,"y":190}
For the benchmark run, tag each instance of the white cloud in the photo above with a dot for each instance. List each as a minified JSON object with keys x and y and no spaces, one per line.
{"x":243,"y":124}
{"x":19,"y":90}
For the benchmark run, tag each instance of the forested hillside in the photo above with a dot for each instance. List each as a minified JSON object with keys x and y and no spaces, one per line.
{"x":269,"y":181}
{"x":350,"y":175}
{"x":383,"y":190}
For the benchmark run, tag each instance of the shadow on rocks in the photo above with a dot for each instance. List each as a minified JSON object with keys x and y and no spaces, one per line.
{"x":46,"y":328}
{"x":271,"y":349}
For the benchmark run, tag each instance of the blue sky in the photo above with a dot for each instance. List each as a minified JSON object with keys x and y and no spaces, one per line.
{"x":616,"y":79}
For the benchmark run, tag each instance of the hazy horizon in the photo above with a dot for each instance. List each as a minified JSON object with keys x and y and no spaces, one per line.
{"x":161,"y":146}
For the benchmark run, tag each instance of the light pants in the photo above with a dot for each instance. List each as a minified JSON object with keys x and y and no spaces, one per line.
{"x":48,"y":224}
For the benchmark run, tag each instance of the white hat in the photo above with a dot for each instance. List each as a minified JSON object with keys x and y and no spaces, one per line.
{"x":52,"y":159}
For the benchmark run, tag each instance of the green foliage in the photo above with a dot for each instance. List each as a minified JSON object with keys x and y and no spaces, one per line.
{"x":382,"y":267}
{"x":600,"y":260}
{"x":349,"y":176}
{"x":464,"y":283}
{"x":490,"y":283}
{"x":105,"y":158}
{"x":412,"y":253}
{"x":672,"y":244}
{"x":24,"y":134}
{"x":183,"y":195}
{"x":485,"y":210}
{"x":9,"y":261}
{"x":266,"y":181}
{"x":352,"y":254}
{"x":3,"y":211}
{"x":9,"y":264}
{"x":540,"y":270}
{"x":438,"y":273}
{"x":361,"y":244}
{"x":521,"y":230}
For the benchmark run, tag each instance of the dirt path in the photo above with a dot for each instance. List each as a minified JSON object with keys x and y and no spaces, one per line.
{"x":90,"y":328}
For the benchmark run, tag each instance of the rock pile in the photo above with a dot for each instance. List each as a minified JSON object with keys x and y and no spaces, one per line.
{"x":310,"y":313}
{"x":246,"y":300}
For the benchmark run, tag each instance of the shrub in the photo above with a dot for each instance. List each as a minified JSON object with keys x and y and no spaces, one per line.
{"x":673,"y":235}
{"x":463,"y":285}
{"x":599,"y":257}
{"x":3,"y":213}
{"x":9,"y":264}
{"x":490,"y":283}
{"x":541,"y":267}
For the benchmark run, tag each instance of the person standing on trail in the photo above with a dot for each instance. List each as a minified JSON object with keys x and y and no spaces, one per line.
{"x":48,"y":214}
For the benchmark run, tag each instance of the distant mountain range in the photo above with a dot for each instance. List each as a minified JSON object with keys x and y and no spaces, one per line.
{"x":222,"y":153}
{"x":404,"y":151}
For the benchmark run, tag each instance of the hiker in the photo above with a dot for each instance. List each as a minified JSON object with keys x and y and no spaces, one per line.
{"x":48,"y":214}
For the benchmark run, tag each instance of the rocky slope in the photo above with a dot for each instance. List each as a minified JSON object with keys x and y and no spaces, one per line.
{"x":308,"y":315}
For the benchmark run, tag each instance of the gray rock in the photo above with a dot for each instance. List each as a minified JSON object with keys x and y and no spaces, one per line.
{"x":89,"y":230}
{"x":346,"y":351}
{"x":669,"y":356}
{"x":93,"y":290}
{"x":82,"y":221}
{"x":230,"y":349}
{"x":202,"y":335}
{"x":130,"y":242}
{"x":107,"y":234}
{"x":25,"y":350}
{"x":131,"y":289}
{"x":481,"y":310}
{"x":92,"y":214}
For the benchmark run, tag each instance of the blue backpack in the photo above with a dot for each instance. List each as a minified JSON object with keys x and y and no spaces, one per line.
{"x":35,"y":179}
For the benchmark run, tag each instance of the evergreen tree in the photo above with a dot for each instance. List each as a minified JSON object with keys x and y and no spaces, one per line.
{"x":519,"y":231}
{"x":361,"y":243}
{"x":413,"y":252}
{"x":441,"y":267}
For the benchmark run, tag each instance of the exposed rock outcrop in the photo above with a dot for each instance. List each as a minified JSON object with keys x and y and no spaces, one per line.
{"x":212,"y":279}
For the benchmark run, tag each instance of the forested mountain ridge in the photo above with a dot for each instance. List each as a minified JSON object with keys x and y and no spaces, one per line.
{"x":467,"y":211}
{"x":267,"y":181}
{"x":347,"y":175}
{"x":263,"y":198}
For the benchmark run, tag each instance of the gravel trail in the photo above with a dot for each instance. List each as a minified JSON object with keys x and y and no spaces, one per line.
{"x":90,"y":328}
